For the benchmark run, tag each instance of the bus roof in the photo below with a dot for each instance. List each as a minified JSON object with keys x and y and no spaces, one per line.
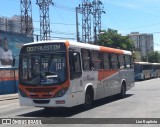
{"x":84,"y":45}
{"x":143,"y":63}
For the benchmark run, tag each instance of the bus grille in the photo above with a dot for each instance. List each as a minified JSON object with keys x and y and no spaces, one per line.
{"x":41,"y":101}
{"x":37,"y":90}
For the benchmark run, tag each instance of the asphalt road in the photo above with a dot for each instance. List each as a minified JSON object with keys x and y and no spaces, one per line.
{"x":142,"y":101}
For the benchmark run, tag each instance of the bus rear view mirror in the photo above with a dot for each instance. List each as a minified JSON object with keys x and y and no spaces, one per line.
{"x":75,"y":57}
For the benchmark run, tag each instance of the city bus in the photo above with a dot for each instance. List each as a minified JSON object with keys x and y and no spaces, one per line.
{"x":143,"y":70}
{"x":67,"y":73}
{"x":156,"y":70}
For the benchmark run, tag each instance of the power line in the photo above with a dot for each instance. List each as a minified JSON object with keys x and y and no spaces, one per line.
{"x":63,"y":7}
{"x":59,"y":23}
{"x":63,"y":24}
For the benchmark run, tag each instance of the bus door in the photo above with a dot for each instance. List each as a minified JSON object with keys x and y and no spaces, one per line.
{"x":126,"y":69}
{"x":76,"y":83}
{"x":116,"y":76}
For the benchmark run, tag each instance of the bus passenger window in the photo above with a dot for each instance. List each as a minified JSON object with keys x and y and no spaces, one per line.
{"x":96,"y":59}
{"x":128,"y":61}
{"x":121,"y":61}
{"x":86,"y":60}
{"x":106,"y":61}
{"x":114,"y":61}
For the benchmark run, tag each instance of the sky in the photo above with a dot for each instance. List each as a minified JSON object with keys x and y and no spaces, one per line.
{"x":126,"y":16}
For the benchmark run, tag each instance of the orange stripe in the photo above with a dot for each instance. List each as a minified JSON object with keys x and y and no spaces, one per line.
{"x":8,"y":73}
{"x":8,"y":78}
{"x":103,"y":74}
{"x":111,"y":50}
{"x":54,"y":90}
{"x":67,"y":43}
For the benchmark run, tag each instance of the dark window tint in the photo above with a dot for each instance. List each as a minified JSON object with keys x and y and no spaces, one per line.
{"x":96,"y":59}
{"x":86,"y":59}
{"x":114,"y":61}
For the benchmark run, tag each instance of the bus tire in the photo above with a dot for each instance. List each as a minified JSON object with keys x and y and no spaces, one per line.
{"x":88,"y":99}
{"x":123,"y":91}
{"x":144,"y":77}
{"x":48,"y":109}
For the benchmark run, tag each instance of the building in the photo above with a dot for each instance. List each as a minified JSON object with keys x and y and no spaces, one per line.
{"x":3,"y":23}
{"x":143,"y":43}
{"x":13,"y":24}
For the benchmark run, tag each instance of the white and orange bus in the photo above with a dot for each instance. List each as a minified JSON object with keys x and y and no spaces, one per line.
{"x":68,"y":73}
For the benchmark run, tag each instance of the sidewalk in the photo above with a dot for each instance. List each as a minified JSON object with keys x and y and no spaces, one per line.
{"x":8,"y":97}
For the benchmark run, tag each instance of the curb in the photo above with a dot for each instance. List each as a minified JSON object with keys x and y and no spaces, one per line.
{"x":8,"y":97}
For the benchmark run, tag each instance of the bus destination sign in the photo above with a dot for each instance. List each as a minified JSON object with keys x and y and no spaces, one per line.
{"x":44,"y":48}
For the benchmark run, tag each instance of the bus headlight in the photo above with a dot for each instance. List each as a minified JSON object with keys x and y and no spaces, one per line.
{"x":22,"y":93}
{"x":61,"y":93}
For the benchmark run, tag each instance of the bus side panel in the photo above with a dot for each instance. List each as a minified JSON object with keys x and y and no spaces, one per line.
{"x":128,"y":76}
{"x":111,"y":82}
{"x":77,"y":91}
{"x":79,"y":86}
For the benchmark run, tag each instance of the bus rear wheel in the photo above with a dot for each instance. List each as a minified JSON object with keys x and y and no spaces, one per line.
{"x":123,"y":91}
{"x":48,"y":109}
{"x":88,"y":99}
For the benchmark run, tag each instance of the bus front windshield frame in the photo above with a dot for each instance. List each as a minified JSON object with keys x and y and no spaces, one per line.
{"x":45,"y":69}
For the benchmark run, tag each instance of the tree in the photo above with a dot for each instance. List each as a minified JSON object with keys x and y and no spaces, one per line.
{"x":154,"y":57}
{"x":111,"y":38}
{"x":137,"y":56}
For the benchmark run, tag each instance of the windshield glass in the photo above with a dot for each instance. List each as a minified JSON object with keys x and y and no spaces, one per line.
{"x":43,"y":69}
{"x":137,"y":68}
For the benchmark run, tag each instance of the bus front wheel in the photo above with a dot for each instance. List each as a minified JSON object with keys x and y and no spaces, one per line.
{"x":88,"y":99}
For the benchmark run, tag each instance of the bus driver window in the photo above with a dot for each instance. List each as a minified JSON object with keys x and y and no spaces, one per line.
{"x":75,"y":65}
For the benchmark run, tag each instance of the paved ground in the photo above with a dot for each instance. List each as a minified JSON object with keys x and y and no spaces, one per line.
{"x":142,"y":101}
{"x":8,"y":97}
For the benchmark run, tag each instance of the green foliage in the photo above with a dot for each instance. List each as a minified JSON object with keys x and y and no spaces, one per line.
{"x":137,"y":56}
{"x":154,"y":57}
{"x":111,"y":38}
{"x":144,"y":59}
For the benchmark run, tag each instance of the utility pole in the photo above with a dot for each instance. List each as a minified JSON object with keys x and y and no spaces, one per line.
{"x":78,"y":9}
{"x":26,"y":17}
{"x":97,"y":12}
{"x":86,"y":21}
{"x":44,"y":19}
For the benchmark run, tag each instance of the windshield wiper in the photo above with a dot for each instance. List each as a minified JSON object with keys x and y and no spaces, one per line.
{"x":51,"y":74}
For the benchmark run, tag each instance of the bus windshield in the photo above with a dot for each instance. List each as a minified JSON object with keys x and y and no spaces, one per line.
{"x":43,"y":69}
{"x":137,"y":68}
{"x":47,"y":68}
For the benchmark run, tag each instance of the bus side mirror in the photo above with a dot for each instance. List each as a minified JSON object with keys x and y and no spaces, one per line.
{"x":75,"y":57}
